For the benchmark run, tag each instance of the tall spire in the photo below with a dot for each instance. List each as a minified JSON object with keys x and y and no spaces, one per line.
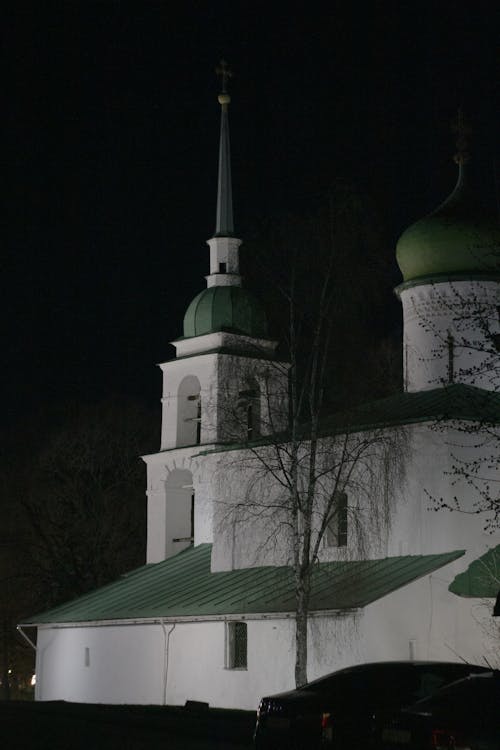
{"x":461,"y":129}
{"x":224,"y":226}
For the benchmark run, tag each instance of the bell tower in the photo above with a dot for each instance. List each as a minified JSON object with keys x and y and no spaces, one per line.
{"x":225,"y":351}
{"x":225,"y":385}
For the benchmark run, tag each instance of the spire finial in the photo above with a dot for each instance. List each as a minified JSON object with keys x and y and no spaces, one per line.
{"x":224,"y":71}
{"x":462,"y":129}
{"x":224,"y":220}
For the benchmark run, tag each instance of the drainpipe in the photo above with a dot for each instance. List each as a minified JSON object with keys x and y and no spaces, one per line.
{"x":26,"y":638}
{"x":166,"y":641}
{"x":33,"y":646}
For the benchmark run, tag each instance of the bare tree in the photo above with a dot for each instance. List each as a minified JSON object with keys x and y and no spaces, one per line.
{"x":16,"y":597}
{"x":308,"y":478}
{"x":84,"y":507}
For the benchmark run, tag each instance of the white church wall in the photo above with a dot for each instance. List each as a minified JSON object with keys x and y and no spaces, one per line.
{"x":425,"y":621}
{"x":169,"y":664}
{"x":247,"y":528}
{"x":418,"y":528}
{"x":447,"y":326}
{"x":252,"y":522}
{"x":106,"y":664}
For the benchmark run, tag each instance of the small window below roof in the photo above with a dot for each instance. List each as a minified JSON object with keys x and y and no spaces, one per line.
{"x":222,"y":267}
{"x":236,"y":645}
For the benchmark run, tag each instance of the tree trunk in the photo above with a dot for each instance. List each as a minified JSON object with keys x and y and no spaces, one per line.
{"x":302,"y":594}
{"x":5,"y":662}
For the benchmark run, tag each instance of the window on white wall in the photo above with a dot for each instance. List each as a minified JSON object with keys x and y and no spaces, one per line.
{"x":249,"y":402}
{"x":189,"y":412}
{"x":336,"y":531}
{"x":236,"y":645}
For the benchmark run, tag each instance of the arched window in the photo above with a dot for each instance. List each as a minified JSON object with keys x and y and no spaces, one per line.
{"x":189,"y":412}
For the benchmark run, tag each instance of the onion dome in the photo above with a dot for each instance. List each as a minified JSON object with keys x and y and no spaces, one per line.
{"x":225,"y":308}
{"x":455,"y":239}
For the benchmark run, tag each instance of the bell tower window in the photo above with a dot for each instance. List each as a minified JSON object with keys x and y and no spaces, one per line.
{"x":249,"y":401}
{"x":189,"y":415}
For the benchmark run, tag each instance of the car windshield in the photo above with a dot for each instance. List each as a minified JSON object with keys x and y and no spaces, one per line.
{"x":477,"y":694}
{"x":388,"y":684}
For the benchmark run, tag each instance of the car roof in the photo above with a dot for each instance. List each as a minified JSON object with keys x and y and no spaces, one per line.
{"x":382,"y":665}
{"x":373,"y":666}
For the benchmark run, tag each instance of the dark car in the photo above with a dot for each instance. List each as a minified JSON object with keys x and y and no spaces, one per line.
{"x":345,"y":709}
{"x":464,"y":715}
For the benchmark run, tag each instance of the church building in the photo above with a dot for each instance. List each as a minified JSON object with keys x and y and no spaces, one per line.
{"x":211,"y":615}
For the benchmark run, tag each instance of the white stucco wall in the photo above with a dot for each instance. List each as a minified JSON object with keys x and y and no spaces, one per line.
{"x":128,"y":664}
{"x":417,"y":527}
{"x":132,"y":664}
{"x":466,"y":310}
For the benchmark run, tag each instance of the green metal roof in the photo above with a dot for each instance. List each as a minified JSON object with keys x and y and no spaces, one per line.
{"x":225,"y":308}
{"x":482,"y":577}
{"x":455,"y":401}
{"x":452,"y":402}
{"x":183,"y":586}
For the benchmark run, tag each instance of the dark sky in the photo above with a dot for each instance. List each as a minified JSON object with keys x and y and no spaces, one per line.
{"x":111,"y":129}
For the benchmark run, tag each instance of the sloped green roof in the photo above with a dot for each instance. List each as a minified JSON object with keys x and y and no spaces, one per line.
{"x":455,"y":401}
{"x":482,"y":577}
{"x":183,"y":586}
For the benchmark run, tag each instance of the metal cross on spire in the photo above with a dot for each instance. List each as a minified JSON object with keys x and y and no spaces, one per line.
{"x":224,"y":71}
{"x":461,"y":129}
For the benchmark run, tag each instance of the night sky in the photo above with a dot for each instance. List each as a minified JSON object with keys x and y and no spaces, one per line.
{"x":111,"y":132}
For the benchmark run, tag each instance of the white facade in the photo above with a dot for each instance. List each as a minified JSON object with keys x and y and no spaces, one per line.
{"x":224,"y":388}
{"x":197,"y":487}
{"x":171,"y":661}
{"x":449,"y":327}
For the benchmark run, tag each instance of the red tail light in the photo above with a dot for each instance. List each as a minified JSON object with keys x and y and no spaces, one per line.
{"x":447,"y":739}
{"x":326,"y":727}
{"x":325,"y":720}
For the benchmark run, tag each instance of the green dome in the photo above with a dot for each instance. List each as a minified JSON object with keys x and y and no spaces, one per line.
{"x":454,"y":239}
{"x":225,"y":308}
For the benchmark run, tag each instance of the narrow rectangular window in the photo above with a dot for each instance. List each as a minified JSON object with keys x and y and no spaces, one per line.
{"x":336,"y":530}
{"x":192,"y":518}
{"x":250,"y":425}
{"x":236,"y":645}
{"x":198,"y":422}
{"x":222,"y":268}
{"x":86,"y":656}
